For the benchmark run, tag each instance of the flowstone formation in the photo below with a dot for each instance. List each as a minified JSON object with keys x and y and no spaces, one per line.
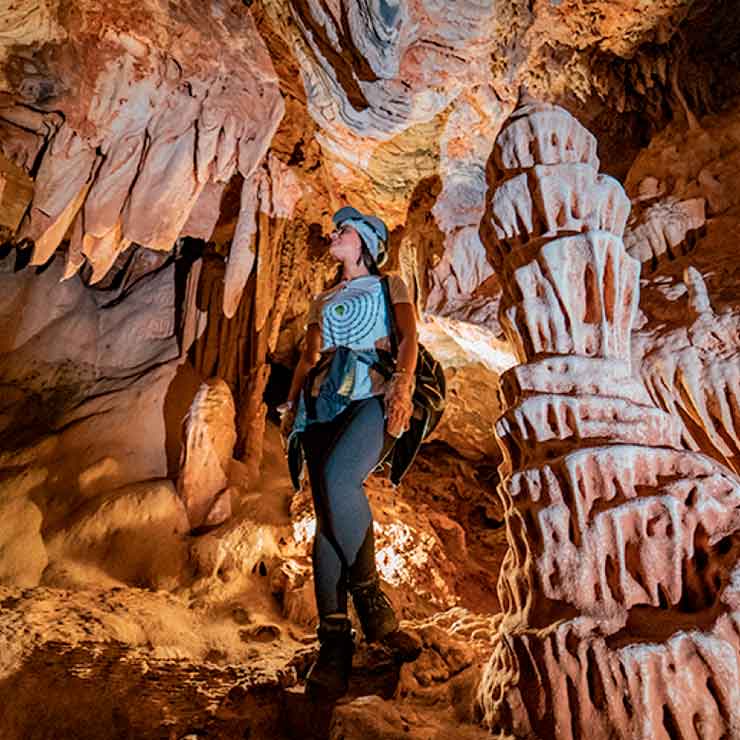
{"x":688,"y":344}
{"x":621,"y":586}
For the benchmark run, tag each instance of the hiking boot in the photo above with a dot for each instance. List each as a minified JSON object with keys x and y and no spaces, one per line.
{"x":374,"y":610}
{"x":328,"y":678}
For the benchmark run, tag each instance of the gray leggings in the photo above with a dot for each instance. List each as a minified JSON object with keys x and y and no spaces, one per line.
{"x":340,"y":454}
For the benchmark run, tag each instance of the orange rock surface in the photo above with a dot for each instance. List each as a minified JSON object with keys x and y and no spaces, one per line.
{"x":561,"y":182}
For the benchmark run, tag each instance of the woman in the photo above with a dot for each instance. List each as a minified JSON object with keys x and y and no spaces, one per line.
{"x":348,"y":415}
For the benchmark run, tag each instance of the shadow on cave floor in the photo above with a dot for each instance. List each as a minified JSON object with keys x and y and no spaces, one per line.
{"x":94,"y":691}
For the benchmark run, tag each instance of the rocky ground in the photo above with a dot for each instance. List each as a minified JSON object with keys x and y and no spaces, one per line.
{"x":211,"y":636}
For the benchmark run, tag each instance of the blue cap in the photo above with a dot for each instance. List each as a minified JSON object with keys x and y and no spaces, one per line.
{"x":372,"y":230}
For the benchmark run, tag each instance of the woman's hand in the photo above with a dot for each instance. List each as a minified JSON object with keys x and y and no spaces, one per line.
{"x":398,"y":403}
{"x":287,"y":419}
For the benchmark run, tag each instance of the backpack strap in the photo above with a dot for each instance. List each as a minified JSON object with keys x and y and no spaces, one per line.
{"x":391,"y":316}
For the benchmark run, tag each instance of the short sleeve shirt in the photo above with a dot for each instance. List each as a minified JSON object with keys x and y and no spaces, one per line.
{"x":353,"y":315}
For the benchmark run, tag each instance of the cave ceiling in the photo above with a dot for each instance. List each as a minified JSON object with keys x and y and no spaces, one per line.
{"x":130,"y":123}
{"x":133,"y":133}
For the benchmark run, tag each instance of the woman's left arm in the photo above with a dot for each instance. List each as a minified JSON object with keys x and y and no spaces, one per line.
{"x":408,"y":346}
{"x":399,"y":406}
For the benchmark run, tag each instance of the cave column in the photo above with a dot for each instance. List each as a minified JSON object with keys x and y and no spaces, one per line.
{"x":614,"y":558}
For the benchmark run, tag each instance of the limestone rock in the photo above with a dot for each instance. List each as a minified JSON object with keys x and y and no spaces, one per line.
{"x":614,"y":530}
{"x":124,"y":130}
{"x":688,"y":345}
{"x":88,"y":390}
{"x":667,"y":227}
{"x":473,"y":360}
{"x":209,"y":437}
{"x":15,"y":198}
{"x":375,"y":719}
{"x":134,"y":534}
{"x":167,"y":669}
{"x":23,"y":556}
{"x":126,"y":151}
{"x":87,"y":520}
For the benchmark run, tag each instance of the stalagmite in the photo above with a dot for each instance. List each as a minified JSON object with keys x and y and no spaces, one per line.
{"x":209,"y":437}
{"x":620,"y":587}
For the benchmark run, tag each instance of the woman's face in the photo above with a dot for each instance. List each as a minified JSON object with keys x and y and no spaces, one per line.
{"x":345,"y":244}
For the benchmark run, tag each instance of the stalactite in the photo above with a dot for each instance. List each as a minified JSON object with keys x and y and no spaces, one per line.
{"x":278,"y":197}
{"x":222,"y":349}
{"x":242,"y":251}
{"x":664,"y":230}
{"x":144,"y":156}
{"x":292,"y":250}
{"x":246,"y":301}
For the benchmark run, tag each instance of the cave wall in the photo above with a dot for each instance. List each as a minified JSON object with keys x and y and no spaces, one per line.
{"x":166,"y":174}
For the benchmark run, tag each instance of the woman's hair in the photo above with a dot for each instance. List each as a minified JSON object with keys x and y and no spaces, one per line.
{"x":367,"y":257}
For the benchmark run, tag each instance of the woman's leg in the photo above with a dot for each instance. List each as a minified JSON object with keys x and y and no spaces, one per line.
{"x":340,"y":455}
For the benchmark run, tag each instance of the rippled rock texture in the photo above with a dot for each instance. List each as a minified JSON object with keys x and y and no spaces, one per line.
{"x":619,"y":590}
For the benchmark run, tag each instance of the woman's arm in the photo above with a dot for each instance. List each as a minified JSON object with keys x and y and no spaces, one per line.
{"x":399,"y":406}
{"x":408,"y":346}
{"x":309,"y":357}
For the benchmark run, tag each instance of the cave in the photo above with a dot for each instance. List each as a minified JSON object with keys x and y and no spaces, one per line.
{"x":558,"y":179}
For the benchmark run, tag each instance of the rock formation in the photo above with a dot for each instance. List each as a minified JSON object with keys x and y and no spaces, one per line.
{"x":688,"y":344}
{"x":620,"y":586}
{"x":142,"y":148}
{"x":168,"y":172}
{"x":208,"y":446}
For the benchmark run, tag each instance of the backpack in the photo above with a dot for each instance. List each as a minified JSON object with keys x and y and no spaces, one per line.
{"x":428,"y":399}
